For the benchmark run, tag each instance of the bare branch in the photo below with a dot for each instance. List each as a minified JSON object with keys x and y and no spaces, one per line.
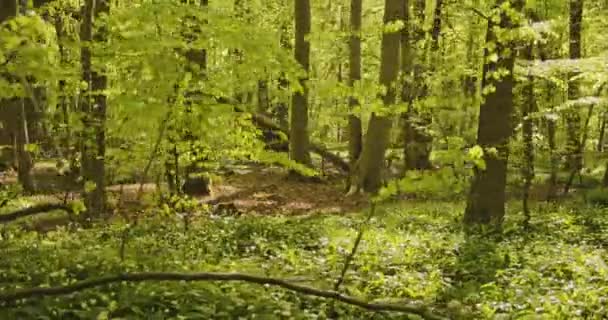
{"x":420,"y":310}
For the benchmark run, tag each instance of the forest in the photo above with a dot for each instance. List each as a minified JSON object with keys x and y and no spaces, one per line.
{"x":303,"y":159}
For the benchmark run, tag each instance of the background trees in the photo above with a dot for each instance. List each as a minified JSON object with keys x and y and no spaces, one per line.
{"x":136,"y":107}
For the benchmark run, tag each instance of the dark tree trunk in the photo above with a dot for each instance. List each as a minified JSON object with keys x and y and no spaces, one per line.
{"x":573,"y":119}
{"x":528,"y":107}
{"x":281,"y":109}
{"x":417,"y":140}
{"x":486,"y":201}
{"x":298,"y":142}
{"x":8,"y":9}
{"x":196,"y":182}
{"x":93,"y":108}
{"x":25,"y":162}
{"x":355,"y":141}
{"x":602,"y":132}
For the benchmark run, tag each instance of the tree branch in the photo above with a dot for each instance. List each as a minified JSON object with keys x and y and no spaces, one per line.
{"x":37,"y":209}
{"x":422,"y":311}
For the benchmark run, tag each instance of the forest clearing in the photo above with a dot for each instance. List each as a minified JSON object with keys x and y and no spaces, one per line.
{"x":303,"y":159}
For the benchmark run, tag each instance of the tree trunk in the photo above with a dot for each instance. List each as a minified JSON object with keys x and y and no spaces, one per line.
{"x":528,"y":107}
{"x":554,"y":159}
{"x":298,"y":142}
{"x":8,"y":9}
{"x":486,"y":200}
{"x":417,"y":141}
{"x":355,"y":140}
{"x":93,"y":106}
{"x":263,"y":98}
{"x":25,"y":162}
{"x":281,"y":109}
{"x":573,"y":118}
{"x":581,"y":148}
{"x":371,"y":162}
{"x":195,"y":182}
{"x":471,"y":81}
{"x":602,"y":132}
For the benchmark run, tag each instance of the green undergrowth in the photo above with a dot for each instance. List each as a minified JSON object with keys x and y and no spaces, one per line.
{"x":415,"y":251}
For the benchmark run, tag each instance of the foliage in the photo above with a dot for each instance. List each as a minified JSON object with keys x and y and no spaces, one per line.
{"x":411,"y":252}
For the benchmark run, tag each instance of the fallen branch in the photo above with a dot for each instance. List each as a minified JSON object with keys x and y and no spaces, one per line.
{"x":37,"y":209}
{"x":209,"y":276}
{"x":265,"y":122}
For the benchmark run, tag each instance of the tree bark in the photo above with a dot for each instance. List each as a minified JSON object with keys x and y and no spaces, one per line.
{"x":602,"y":132}
{"x":416,"y":138}
{"x":25,"y":161}
{"x":486,"y":200}
{"x":298,"y":142}
{"x":16,"y":112}
{"x":8,"y":9}
{"x":370,"y":164}
{"x":355,"y":130}
{"x":528,"y":107}
{"x":573,"y":117}
{"x":93,"y":108}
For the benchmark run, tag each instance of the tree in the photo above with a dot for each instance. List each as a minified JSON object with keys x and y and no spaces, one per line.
{"x":573,"y":117}
{"x":93,"y":107}
{"x":528,"y":106}
{"x":486,"y":200}
{"x":298,"y":142}
{"x":19,"y":111}
{"x":370,"y":163}
{"x":417,"y":140}
{"x":354,"y":121}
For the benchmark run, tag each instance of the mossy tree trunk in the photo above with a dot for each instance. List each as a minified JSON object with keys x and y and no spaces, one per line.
{"x":527,"y":108}
{"x":355,"y":141}
{"x":417,"y":141}
{"x":486,"y":200}
{"x":298,"y":137}
{"x":370,"y":164}
{"x":93,"y":107}
{"x":16,"y":113}
{"x":573,"y":118}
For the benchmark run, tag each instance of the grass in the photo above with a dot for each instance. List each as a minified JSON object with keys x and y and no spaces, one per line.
{"x":411,"y":251}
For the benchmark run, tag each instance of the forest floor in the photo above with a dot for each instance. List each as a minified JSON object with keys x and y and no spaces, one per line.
{"x":250,"y":189}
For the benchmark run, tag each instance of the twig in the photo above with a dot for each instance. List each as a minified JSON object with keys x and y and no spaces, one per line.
{"x":422,"y":311}
{"x":350,"y":257}
{"x":38,"y":209}
{"x":155,"y":149}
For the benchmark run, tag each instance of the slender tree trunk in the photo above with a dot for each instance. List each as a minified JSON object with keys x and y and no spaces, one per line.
{"x":573,"y":118}
{"x":281,"y":109}
{"x":486,"y":201}
{"x":528,"y":107}
{"x":298,"y":142}
{"x":602,"y":132}
{"x":581,"y":148}
{"x":554,"y":159}
{"x":263,"y":97}
{"x":24,"y":109}
{"x":605,"y":178}
{"x":355,"y":141}
{"x":25,"y":162}
{"x":93,"y":108}
{"x":470,"y":81}
{"x":371,"y":162}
